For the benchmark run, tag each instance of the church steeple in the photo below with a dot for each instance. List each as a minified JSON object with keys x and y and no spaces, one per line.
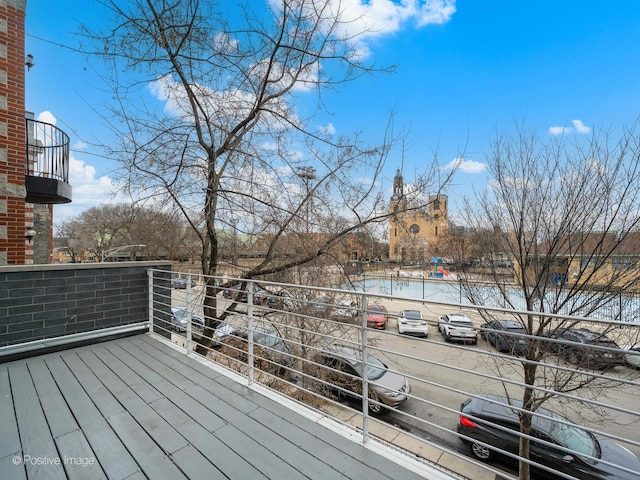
{"x":398,"y":191}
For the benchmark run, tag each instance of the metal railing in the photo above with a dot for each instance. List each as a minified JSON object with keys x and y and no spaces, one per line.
{"x":47,"y":152}
{"x":284,"y":337}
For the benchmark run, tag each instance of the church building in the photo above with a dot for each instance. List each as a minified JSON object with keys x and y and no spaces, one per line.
{"x":416,"y":232}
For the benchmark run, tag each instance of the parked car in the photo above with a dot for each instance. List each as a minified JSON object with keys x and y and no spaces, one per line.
{"x":387,"y":388}
{"x":345,"y":310}
{"x":235,"y":293}
{"x":377,"y":316}
{"x":506,"y":336}
{"x":231,"y":324}
{"x":180,"y":317}
{"x":411,"y":321}
{"x":265,"y":298}
{"x":586,"y":349}
{"x":222,"y":333}
{"x":481,"y":418}
{"x":274,"y":350}
{"x":632,"y":357}
{"x":320,"y":307}
{"x":457,"y":327}
{"x":181,"y":283}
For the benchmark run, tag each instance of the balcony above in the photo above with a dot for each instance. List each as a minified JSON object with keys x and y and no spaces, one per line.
{"x":47,"y":157}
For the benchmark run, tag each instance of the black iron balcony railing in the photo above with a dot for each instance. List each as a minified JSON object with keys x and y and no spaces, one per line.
{"x":47,"y":156}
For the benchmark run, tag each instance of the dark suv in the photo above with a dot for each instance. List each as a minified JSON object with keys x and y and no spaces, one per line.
{"x":586,"y":349}
{"x":493,"y":420}
{"x":506,"y":336}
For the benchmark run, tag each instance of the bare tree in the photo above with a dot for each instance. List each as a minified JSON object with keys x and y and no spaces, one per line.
{"x":164,"y":232}
{"x":230,"y":148}
{"x":567,"y":214}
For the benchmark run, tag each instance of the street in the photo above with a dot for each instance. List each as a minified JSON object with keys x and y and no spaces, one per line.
{"x":443,"y":374}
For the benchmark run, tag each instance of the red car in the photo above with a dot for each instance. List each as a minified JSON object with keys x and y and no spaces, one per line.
{"x":377,"y":317}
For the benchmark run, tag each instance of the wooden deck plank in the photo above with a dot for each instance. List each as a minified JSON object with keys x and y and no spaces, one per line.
{"x":115,"y":377}
{"x":35,"y":435}
{"x":11,"y":471}
{"x":230,"y":462}
{"x":152,"y":460}
{"x":272,"y":466}
{"x":195,"y":465}
{"x":280,"y":445}
{"x":226,"y":461}
{"x":350,"y":458}
{"x":79,"y":459}
{"x":196,"y":434}
{"x":10,"y":439}
{"x":276,"y":442}
{"x":353,"y":450}
{"x":109,"y":451}
{"x":245,"y":401}
{"x":94,"y":388}
{"x":209,"y":419}
{"x":145,"y":410}
{"x":229,"y":394}
{"x":56,"y":410}
{"x":138,"y":349}
{"x":148,"y":393}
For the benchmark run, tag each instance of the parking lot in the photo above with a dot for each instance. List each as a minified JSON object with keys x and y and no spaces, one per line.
{"x":443,"y":374}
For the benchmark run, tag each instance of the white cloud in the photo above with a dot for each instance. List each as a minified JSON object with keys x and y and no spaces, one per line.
{"x":88,"y":191}
{"x":328,"y":129}
{"x":231,"y":105}
{"x":578,"y":127}
{"x":47,"y":117}
{"x":364,"y":20}
{"x":465,"y":166}
{"x":380,"y":17}
{"x":555,"y":131}
{"x":79,"y":145}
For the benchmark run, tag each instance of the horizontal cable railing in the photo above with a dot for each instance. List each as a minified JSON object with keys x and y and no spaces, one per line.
{"x":457,"y":391}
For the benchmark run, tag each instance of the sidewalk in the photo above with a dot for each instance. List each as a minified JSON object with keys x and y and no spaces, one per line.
{"x":465,"y":469}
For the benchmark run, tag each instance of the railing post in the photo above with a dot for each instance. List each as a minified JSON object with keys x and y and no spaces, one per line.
{"x":188,"y":307}
{"x":365,"y":370}
{"x":250,"y":330}
{"x":150,"y":299}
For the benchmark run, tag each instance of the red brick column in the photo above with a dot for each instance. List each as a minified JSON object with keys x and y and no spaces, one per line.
{"x":15,"y":215}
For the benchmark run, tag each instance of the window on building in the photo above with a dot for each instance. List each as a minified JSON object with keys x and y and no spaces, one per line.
{"x":593,"y":263}
{"x":436,"y":205}
{"x":395,"y":232}
{"x":623,"y":264}
{"x":436,"y":230}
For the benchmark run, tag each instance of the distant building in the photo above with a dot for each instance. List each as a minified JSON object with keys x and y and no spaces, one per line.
{"x":415,"y":233}
{"x":601,"y":260}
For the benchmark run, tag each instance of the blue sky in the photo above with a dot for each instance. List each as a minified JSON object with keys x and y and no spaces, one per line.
{"x":466,"y":69}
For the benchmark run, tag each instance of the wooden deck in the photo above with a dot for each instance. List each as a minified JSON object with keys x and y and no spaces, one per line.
{"x":135,"y":408}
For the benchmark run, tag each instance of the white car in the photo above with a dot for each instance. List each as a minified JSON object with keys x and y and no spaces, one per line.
{"x":457,"y":327}
{"x":180,"y":316}
{"x":346,"y":309}
{"x":632,"y":357}
{"x":411,"y":321}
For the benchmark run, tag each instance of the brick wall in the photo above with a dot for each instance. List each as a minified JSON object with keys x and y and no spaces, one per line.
{"x":14,"y":213}
{"x":43,"y":301}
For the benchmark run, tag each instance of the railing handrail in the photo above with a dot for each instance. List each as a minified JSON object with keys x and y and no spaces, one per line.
{"x":47,"y":151}
{"x":277,"y":321}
